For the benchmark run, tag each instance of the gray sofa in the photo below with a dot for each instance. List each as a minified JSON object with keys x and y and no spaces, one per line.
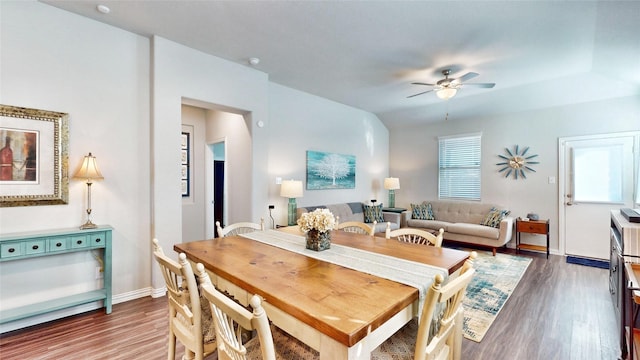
{"x":354,"y":212}
{"x":461,"y":223}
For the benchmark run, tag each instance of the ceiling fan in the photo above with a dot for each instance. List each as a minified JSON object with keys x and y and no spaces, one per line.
{"x":448,"y":87}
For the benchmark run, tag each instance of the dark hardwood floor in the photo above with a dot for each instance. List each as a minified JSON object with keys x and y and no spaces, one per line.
{"x":558,"y":311}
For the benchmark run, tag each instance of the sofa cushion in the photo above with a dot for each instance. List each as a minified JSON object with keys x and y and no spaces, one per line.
{"x":382,"y":227}
{"x":354,"y":211}
{"x":422,"y":212}
{"x":493,"y":217}
{"x":373,"y":213}
{"x":474,"y":230}
{"x":460,"y":211}
{"x":428,"y":224}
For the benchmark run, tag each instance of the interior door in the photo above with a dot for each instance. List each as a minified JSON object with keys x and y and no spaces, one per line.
{"x":218,"y":193}
{"x":598,"y":173}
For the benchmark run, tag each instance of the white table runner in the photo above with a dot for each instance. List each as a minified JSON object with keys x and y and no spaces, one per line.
{"x":403,"y":271}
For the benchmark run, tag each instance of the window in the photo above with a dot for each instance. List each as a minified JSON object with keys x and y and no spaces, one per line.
{"x":459,"y":167}
{"x":597,"y":174}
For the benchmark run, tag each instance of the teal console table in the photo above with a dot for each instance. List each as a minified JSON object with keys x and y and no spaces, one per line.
{"x":18,"y":246}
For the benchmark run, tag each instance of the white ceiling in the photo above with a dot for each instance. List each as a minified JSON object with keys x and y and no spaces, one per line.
{"x":366,"y":54}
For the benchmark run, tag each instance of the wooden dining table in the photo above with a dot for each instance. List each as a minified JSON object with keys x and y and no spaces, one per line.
{"x":341,"y":312}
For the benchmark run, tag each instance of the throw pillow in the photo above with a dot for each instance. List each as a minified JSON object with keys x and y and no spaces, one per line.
{"x":373,"y":213}
{"x":430,"y":215}
{"x":422,"y":212}
{"x":494,"y":217}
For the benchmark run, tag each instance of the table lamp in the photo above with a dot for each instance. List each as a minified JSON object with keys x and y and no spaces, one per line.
{"x":88,"y":171}
{"x":392,"y":184}
{"x":291,"y":189}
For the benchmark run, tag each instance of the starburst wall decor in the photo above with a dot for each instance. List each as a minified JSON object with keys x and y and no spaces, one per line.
{"x":516,"y":163}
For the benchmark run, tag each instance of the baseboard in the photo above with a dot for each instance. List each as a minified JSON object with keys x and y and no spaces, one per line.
{"x":156,"y":293}
{"x":116,"y":299}
{"x":132,"y":295}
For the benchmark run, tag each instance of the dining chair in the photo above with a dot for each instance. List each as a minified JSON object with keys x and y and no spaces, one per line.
{"x":416,"y":236}
{"x":230,"y":318}
{"x":438,"y":333}
{"x":239,"y":228}
{"x":357,"y":227}
{"x":189,"y":317}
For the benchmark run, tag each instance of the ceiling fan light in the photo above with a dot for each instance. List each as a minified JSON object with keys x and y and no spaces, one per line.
{"x":446,"y":93}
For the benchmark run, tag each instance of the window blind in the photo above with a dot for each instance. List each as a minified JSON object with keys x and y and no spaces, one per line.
{"x":459,"y":167}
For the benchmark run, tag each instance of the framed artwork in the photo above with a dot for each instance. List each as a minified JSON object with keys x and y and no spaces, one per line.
{"x":33,"y":157}
{"x":330,"y":171}
{"x":184,"y":151}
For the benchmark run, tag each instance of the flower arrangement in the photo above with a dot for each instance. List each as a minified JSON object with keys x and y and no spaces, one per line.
{"x":321,"y":220}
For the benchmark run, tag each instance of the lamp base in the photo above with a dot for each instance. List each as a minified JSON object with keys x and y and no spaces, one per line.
{"x":88,"y":225}
{"x":291,"y":218}
{"x":392,"y":198}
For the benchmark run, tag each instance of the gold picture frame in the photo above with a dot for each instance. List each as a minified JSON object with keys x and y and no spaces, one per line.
{"x":33,"y":157}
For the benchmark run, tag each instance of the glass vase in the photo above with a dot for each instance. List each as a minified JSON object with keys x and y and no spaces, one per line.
{"x":318,"y":241}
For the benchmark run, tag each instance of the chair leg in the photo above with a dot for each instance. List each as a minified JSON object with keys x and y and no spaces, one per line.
{"x":172,"y":346}
{"x":457,"y":336}
{"x":494,"y":251}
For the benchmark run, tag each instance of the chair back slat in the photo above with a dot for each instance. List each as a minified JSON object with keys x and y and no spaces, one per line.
{"x":185,"y":312}
{"x":357,"y":227}
{"x":416,"y":236}
{"x":239,"y":228}
{"x":441,"y":308}
{"x":230,"y":317}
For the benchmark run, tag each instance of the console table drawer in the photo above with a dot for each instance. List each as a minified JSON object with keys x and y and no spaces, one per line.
{"x":35,"y":247}
{"x":97,"y":240}
{"x":532,"y":227}
{"x":12,"y":249}
{"x":58,"y":244}
{"x":79,"y":242}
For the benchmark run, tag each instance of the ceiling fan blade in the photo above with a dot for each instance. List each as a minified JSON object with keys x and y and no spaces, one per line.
{"x":482,"y":85}
{"x":421,"y":83}
{"x":467,"y":76}
{"x":424,"y":92}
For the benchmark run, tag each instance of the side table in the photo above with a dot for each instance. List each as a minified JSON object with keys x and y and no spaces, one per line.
{"x":532,"y":227}
{"x":399,"y":211}
{"x":394,"y":210}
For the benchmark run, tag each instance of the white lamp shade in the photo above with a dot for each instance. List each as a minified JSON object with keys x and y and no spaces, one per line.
{"x":392,"y":183}
{"x":291,"y":189}
{"x":446,"y":93}
{"x":88,"y":169}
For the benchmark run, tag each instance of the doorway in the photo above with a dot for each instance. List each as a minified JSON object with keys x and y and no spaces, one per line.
{"x":597,"y":176}
{"x":220,"y":134}
{"x":218,"y":193}
{"x":216,"y":186}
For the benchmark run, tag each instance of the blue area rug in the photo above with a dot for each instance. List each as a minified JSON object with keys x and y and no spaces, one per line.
{"x":495,"y":279}
{"x":588,"y":262}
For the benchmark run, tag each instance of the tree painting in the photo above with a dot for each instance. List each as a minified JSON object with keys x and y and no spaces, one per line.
{"x":330,"y":171}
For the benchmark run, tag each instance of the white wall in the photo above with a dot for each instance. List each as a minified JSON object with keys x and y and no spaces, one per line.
{"x":193,"y":215}
{"x":209,"y":126}
{"x":180,"y":72}
{"x":301,"y":122}
{"x":110,"y":82}
{"x":323,"y":126}
{"x":414,"y":153}
{"x":99,"y":75}
{"x":238,"y":158}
